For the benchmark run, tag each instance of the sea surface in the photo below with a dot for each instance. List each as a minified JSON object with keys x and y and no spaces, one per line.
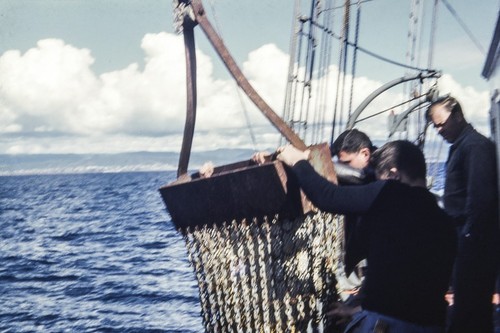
{"x":93,"y":252}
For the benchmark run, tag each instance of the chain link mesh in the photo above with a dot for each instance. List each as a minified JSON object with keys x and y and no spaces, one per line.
{"x":267,"y":275}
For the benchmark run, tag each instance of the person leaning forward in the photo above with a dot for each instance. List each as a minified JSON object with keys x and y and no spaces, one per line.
{"x":410,"y":240}
{"x":352,"y":149}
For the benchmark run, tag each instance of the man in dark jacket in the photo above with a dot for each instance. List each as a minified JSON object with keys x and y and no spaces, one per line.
{"x":353,"y":149}
{"x":410,"y":240}
{"x":471,"y":198}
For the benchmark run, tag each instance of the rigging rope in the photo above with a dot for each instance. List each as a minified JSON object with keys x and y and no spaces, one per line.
{"x":238,"y":91}
{"x":430,"y":56}
{"x":370,"y":53}
{"x":342,"y":54}
{"x":330,"y":19}
{"x":340,"y":7}
{"x":355,"y":55}
{"x":296,"y":81}
{"x":306,"y":85}
{"x":310,"y":56}
{"x":288,"y":107}
{"x":308,"y":78}
{"x":411,"y":88}
{"x":463,"y":25}
{"x":420,"y":28}
{"x":323,"y":80}
{"x":389,"y":109}
{"x":347,"y":22}
{"x":216,"y":20}
{"x":412,"y":33}
{"x":433,"y":29}
{"x":247,"y":119}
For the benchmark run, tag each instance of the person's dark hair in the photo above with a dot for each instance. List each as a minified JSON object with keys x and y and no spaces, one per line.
{"x":400,"y":154}
{"x":450,"y":103}
{"x":351,"y":141}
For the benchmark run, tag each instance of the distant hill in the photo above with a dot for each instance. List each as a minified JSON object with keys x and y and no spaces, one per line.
{"x":122,"y":162}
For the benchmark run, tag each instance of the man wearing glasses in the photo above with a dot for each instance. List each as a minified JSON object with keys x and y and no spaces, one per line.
{"x":471,"y":198}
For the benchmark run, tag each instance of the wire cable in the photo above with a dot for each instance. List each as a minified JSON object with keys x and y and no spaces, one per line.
{"x":464,"y":26}
{"x":373,"y":54}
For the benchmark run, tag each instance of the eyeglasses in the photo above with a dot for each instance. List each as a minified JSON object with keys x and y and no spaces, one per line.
{"x":449,"y":104}
{"x":443,"y":124}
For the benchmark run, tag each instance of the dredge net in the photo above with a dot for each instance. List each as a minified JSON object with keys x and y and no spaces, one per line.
{"x":267,"y":275}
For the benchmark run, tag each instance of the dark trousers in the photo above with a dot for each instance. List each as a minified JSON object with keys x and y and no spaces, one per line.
{"x":370,"y":322}
{"x":474,"y":276}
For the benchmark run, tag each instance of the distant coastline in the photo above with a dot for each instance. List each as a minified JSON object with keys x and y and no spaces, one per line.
{"x":34,"y":164}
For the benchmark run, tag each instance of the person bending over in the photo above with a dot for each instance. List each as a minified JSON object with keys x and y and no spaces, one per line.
{"x":410,"y":241}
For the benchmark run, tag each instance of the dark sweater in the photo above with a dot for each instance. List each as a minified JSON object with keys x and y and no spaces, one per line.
{"x":471,"y":198}
{"x":410,"y":243}
{"x":470,"y":192}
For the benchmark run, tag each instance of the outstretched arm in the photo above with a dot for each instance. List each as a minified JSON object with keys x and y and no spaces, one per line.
{"x":324,"y":194}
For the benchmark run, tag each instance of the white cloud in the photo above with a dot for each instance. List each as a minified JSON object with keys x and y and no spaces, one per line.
{"x":469,"y":57}
{"x":51,"y":89}
{"x":41,"y":88}
{"x":267,"y":70}
{"x":51,"y":101}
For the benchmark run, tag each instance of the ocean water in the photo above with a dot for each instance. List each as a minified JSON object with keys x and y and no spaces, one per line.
{"x":94,"y":252}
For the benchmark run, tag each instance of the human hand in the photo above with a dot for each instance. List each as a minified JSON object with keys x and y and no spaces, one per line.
{"x":290,"y":155}
{"x":207,"y":170}
{"x":261,"y":157}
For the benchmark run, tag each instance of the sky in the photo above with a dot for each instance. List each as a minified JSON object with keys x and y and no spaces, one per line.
{"x":89,"y":76}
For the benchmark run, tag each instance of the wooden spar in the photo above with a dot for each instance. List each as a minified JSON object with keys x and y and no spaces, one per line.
{"x":235,"y":71}
{"x":242,"y":190}
{"x":187,"y":139}
{"x":352,"y":120}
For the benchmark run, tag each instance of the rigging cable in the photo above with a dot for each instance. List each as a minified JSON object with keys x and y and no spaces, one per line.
{"x":410,"y":88}
{"x":343,"y":43}
{"x":322,"y":90}
{"x":320,"y":85}
{"x":311,"y":54}
{"x":347,"y":22}
{"x":292,"y":75}
{"x":299,"y":80}
{"x":355,"y":54}
{"x":329,"y":46}
{"x":389,"y":109}
{"x":340,"y":7}
{"x":373,"y":54}
{"x":238,"y":90}
{"x":463,"y":25}
{"x":247,"y":119}
{"x":420,"y":28}
{"x":430,"y":55}
{"x":432,"y":37}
